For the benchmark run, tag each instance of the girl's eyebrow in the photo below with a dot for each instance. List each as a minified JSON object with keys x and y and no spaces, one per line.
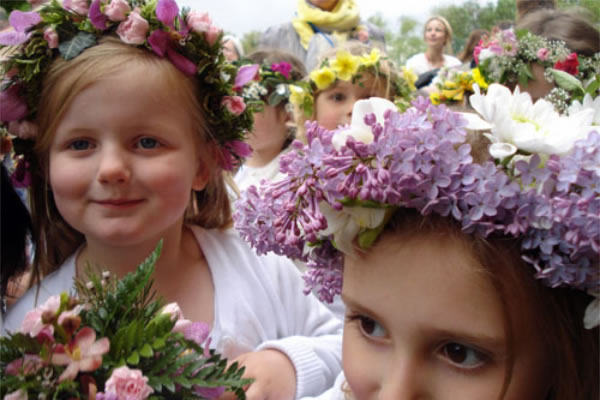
{"x":353,"y":304}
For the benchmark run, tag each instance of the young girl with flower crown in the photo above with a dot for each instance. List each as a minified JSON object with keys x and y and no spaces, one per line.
{"x":137,"y":116}
{"x":460,"y":279}
{"x":348,"y":74}
{"x":271,"y":133}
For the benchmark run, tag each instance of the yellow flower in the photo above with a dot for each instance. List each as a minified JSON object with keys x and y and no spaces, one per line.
{"x":345,"y":65}
{"x":435,"y":98}
{"x":297,"y":94}
{"x":410,"y":77}
{"x":323,"y":77}
{"x":479,"y":79}
{"x":370,"y":59}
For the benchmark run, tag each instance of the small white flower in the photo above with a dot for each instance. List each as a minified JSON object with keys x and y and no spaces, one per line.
{"x":347,"y":223}
{"x":360,"y":131}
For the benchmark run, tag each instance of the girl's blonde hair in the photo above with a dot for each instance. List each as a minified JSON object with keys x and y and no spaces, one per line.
{"x":447,"y":28}
{"x":386,"y":73}
{"x":56,"y":239}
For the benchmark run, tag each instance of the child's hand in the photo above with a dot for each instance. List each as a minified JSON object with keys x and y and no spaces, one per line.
{"x":273,"y":373}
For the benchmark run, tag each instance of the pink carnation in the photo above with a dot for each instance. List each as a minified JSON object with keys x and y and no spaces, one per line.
{"x":212,"y":35}
{"x":80,"y":7}
{"x":17,"y":395}
{"x":542,"y":54}
{"x":128,"y":384}
{"x":51,"y":37}
{"x":134,"y":29}
{"x":234,"y":104}
{"x":117,"y":10}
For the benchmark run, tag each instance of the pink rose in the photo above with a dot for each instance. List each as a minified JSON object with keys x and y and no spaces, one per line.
{"x":51,"y":37}
{"x":134,"y":29}
{"x":80,"y":7}
{"x":200,"y":22}
{"x":542,"y":54}
{"x":117,"y":10}
{"x":128,"y":384}
{"x":234,"y":104}
{"x":212,"y":35}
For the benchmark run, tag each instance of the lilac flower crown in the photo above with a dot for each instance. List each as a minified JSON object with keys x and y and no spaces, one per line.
{"x":187,"y":38}
{"x":342,"y":187}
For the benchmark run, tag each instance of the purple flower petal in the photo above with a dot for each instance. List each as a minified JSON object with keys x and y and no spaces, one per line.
{"x":198,"y":332}
{"x":21,"y":20}
{"x":182,"y":63}
{"x":97,"y":19}
{"x":240,"y":148}
{"x":159,"y":41}
{"x":12,"y":105}
{"x":245,"y":74}
{"x":13,"y":38}
{"x":166,"y":11}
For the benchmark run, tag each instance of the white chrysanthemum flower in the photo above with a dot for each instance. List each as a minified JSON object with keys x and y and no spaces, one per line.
{"x":588,"y":103}
{"x":532,"y":127}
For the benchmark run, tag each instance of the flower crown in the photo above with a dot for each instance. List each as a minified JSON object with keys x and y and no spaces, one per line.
{"x":506,"y":57}
{"x":342,"y":187}
{"x":187,"y":38}
{"x":269,"y":84}
{"x":348,"y":67}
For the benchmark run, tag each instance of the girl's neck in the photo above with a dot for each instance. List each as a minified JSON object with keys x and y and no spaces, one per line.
{"x":435,"y":56}
{"x":261,"y":158}
{"x":121,"y":260}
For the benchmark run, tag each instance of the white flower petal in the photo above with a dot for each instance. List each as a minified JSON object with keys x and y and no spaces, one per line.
{"x":502,"y":150}
{"x":591,"y":318}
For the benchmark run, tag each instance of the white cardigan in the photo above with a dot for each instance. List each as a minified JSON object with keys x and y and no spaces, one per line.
{"x":258,"y":304}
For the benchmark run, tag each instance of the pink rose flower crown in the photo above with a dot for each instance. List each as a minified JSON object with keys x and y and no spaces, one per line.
{"x":113,"y":340}
{"x":187,"y":38}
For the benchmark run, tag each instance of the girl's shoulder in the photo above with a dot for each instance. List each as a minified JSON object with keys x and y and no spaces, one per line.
{"x":55,"y":283}
{"x":451,"y":61}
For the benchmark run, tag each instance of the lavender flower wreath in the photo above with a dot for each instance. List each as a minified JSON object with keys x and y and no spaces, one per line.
{"x":419,"y":159}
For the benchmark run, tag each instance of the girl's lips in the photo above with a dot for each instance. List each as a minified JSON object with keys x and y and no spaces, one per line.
{"x":119,"y":203}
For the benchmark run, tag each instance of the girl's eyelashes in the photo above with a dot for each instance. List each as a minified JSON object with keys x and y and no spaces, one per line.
{"x":368,"y":326}
{"x":463,"y":357}
{"x":148,"y":143}
{"x":80,"y":144}
{"x":337,"y":96}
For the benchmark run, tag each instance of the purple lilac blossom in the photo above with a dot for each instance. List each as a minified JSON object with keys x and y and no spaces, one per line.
{"x":419,"y":159}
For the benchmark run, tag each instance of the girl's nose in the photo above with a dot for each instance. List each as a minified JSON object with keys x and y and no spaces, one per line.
{"x":114,"y":166}
{"x":403,"y":381}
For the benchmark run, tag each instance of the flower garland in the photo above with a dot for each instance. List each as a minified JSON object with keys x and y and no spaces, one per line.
{"x":341,"y":188}
{"x":187,"y":38}
{"x":348,"y":67}
{"x":269,"y":84}
{"x":506,"y":56}
{"x":111,"y":342}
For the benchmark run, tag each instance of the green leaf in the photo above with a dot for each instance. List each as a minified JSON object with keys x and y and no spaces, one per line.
{"x":134,"y":358}
{"x":567,"y":81}
{"x":524,"y":75}
{"x":146,"y":351}
{"x":159,"y":343}
{"x":72,"y":48}
{"x":593,"y":86}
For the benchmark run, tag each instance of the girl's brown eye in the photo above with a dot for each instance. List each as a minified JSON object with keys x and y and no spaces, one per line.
{"x":463,"y":356}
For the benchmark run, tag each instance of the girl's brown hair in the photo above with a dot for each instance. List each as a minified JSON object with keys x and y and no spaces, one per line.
{"x":578,"y":34}
{"x":387,"y":73}
{"x":56,"y":239}
{"x":555,"y":313}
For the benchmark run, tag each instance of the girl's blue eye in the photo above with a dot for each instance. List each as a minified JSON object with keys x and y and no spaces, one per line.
{"x":370,"y":327}
{"x":148,"y":143}
{"x":80,"y":144}
{"x":463,"y":356}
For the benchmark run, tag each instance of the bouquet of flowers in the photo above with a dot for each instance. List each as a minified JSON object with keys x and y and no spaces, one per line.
{"x":506,"y":58}
{"x":113,"y":340}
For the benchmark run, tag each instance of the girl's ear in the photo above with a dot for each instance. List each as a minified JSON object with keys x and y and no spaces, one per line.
{"x":202,"y":177}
